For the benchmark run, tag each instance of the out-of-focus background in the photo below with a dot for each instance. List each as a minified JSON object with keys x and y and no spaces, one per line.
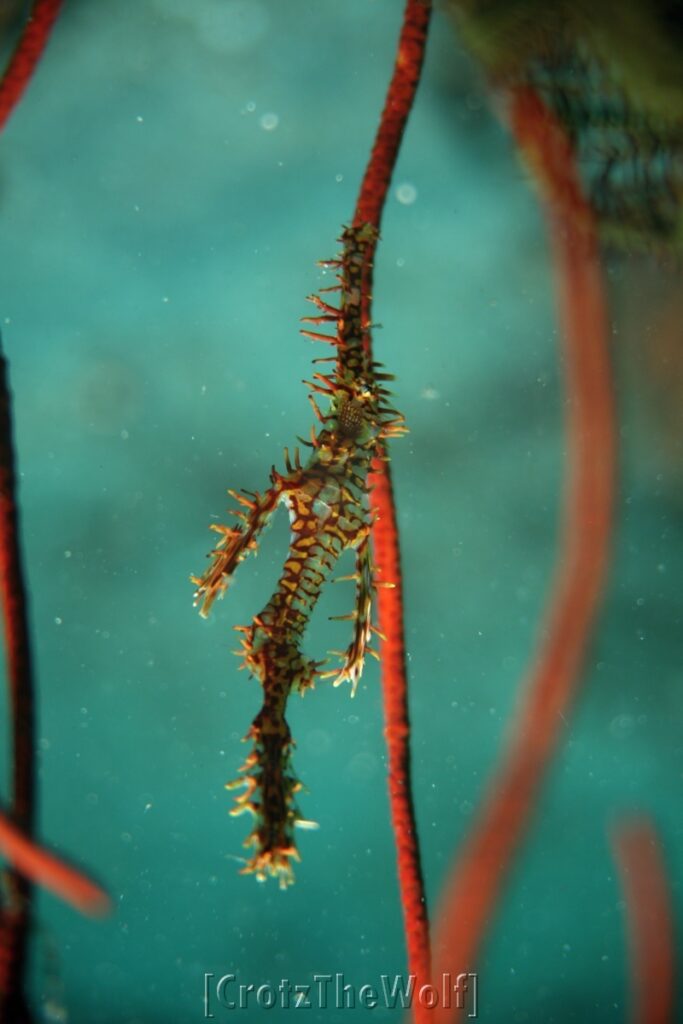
{"x":166,"y":187}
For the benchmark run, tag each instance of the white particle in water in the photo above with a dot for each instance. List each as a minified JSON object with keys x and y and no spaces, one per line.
{"x":406,"y":193}
{"x":269,"y":122}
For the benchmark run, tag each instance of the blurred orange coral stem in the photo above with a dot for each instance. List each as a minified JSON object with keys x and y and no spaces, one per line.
{"x":650,"y":926}
{"x":26,"y":55}
{"x":369,"y":208}
{"x":481,"y":867}
{"x":47,"y":870}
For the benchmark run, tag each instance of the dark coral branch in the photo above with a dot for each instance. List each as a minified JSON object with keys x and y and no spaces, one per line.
{"x":26,"y":55}
{"x":16,"y":913}
{"x":483,"y":863}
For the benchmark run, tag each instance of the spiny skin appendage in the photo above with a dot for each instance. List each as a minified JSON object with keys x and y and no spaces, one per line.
{"x":328,"y":510}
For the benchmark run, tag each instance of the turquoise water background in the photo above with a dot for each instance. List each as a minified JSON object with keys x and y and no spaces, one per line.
{"x":166,"y":187}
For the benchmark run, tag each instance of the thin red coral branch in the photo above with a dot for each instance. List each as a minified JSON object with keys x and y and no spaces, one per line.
{"x":483,"y":863}
{"x":369,"y":209}
{"x":26,"y":55}
{"x":397,"y":106}
{"x":45,"y":869}
{"x":397,"y":726}
{"x":644,"y":882}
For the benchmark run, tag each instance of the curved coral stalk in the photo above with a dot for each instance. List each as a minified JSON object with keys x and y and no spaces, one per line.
{"x":27,"y":53}
{"x":481,"y":866}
